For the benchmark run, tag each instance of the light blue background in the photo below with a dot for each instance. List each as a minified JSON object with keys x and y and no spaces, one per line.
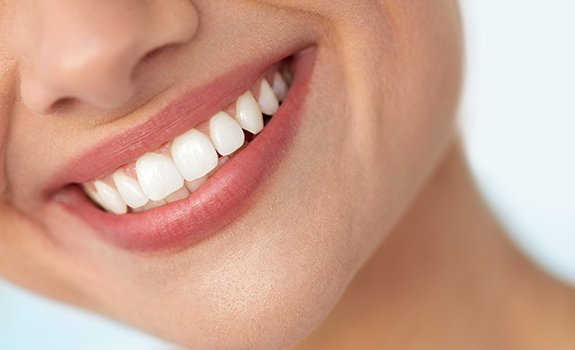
{"x":518,"y":118}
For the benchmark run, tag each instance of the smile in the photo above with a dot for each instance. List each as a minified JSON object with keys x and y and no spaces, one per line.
{"x":179,"y":167}
{"x":195,"y":173}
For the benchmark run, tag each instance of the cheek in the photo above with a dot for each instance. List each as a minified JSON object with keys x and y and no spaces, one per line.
{"x":403,"y":100}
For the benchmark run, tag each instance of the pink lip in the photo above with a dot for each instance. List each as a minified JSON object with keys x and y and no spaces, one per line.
{"x":172,"y":120}
{"x":222,"y":198}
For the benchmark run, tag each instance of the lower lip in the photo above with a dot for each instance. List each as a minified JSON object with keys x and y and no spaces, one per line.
{"x":220,"y":201}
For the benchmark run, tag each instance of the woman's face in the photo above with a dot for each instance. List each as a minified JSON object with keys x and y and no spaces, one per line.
{"x":94,"y":96}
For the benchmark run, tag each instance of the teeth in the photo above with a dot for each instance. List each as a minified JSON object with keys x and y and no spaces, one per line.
{"x":110,"y":199}
{"x":267,"y":99}
{"x":226,"y":134}
{"x":158,"y":176}
{"x":130,"y":190}
{"x":194,"y":155}
{"x":249,"y":114}
{"x":183,"y":165}
{"x":280,"y":87}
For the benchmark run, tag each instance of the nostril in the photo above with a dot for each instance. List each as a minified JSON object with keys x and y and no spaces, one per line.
{"x":150,"y":55}
{"x":60,"y":105}
{"x":150,"y":58}
{"x":155,"y":53}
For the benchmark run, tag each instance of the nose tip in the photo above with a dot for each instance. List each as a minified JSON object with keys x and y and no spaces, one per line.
{"x":90,"y":55}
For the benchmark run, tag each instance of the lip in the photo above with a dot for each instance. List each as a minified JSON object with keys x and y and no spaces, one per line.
{"x":227,"y":193}
{"x":184,"y":113}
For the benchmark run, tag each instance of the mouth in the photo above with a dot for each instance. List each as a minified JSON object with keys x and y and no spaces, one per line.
{"x":195,"y":175}
{"x":181,"y":166}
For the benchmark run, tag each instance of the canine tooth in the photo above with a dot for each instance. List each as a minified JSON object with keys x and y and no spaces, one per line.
{"x":110,"y":198}
{"x":280,"y":87}
{"x":158,"y":176}
{"x":249,"y":114}
{"x":268,"y":101}
{"x":194,"y":155}
{"x":226,"y":134}
{"x":180,"y":194}
{"x":130,"y":190}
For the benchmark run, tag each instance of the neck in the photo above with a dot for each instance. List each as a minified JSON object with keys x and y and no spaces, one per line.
{"x":448,"y":278}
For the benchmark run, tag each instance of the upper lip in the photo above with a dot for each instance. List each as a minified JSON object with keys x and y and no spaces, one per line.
{"x":172,"y":119}
{"x":221,"y":200}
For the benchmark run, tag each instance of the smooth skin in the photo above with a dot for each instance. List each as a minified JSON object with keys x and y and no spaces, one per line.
{"x":393,"y":248}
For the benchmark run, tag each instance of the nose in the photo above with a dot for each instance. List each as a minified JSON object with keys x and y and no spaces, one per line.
{"x":89,"y":51}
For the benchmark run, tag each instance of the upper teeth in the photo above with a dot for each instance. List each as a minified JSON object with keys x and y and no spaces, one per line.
{"x":249,"y":114}
{"x":173,"y":172}
{"x":130,"y":190}
{"x":226,"y":134}
{"x":268,"y":101}
{"x":194,"y":155}
{"x":158,"y":176}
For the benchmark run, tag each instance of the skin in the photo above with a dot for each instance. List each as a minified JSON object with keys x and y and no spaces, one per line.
{"x":398,"y":251}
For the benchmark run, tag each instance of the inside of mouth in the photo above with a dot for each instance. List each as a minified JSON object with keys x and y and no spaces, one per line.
{"x":183,"y":164}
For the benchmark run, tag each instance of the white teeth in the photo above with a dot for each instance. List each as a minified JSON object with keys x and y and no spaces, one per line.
{"x":158,"y":176}
{"x":226,"y":134}
{"x":267,"y":99}
{"x":110,"y":199}
{"x":130,"y":190}
{"x":280,"y":87}
{"x":194,"y":155}
{"x":249,"y":114}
